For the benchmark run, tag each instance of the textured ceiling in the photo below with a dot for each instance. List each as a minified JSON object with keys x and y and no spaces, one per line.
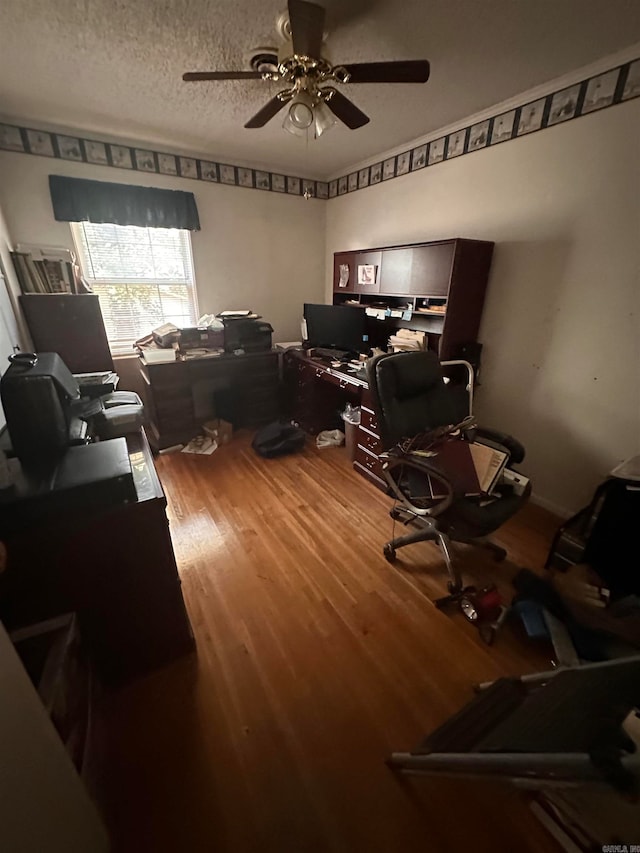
{"x":113,"y":67}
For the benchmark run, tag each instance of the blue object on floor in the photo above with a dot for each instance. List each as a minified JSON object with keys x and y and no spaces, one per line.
{"x":532,"y":617}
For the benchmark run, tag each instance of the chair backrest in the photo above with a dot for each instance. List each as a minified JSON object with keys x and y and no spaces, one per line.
{"x":410,"y":395}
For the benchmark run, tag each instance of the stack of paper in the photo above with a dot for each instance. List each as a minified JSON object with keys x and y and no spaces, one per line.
{"x":407,"y":340}
{"x":489,"y":463}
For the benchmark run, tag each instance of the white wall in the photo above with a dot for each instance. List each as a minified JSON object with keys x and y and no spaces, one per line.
{"x":259,"y":250}
{"x":561,"y":325}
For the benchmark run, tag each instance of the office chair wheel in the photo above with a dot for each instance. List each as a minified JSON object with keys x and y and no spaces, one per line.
{"x":499,"y":554}
{"x":389,"y":553}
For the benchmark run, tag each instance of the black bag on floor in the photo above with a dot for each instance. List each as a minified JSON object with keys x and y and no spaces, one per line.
{"x":278,"y":439}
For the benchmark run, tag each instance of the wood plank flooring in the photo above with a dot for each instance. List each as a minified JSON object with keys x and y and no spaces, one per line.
{"x":315,"y":659}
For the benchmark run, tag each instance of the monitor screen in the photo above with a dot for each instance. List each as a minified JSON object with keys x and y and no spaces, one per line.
{"x":336,"y":326}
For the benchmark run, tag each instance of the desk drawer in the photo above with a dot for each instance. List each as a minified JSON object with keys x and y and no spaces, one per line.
{"x":369,"y":441}
{"x":370,"y":476}
{"x":368,"y":460}
{"x":369,"y":420}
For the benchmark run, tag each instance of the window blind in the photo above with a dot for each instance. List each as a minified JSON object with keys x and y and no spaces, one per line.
{"x":143,"y":276}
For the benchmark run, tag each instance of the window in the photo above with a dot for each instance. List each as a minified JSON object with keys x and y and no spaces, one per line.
{"x":143,"y":276}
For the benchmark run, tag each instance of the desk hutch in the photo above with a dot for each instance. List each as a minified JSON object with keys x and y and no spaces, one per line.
{"x":443,"y":283}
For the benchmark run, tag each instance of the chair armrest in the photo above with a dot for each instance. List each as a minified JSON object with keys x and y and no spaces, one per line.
{"x":515,"y":448}
{"x":393,"y":460}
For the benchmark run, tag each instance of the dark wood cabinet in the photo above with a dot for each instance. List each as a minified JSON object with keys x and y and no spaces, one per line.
{"x":180,"y":396}
{"x":113,"y":566}
{"x":71,"y":325}
{"x":441,"y":283}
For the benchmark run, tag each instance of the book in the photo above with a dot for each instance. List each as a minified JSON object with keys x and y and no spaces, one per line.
{"x":489,"y":463}
{"x":454,"y":459}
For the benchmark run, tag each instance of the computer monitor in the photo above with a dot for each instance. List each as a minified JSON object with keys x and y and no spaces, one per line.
{"x":336,"y":326}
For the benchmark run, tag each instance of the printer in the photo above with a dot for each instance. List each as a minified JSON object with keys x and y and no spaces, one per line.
{"x":250,"y":334}
{"x":46,"y":413}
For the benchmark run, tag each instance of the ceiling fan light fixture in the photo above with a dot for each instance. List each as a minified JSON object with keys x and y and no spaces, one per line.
{"x":323,"y":119}
{"x":300,"y":114}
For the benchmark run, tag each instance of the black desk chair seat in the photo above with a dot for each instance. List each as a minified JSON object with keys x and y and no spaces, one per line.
{"x":410,"y":396}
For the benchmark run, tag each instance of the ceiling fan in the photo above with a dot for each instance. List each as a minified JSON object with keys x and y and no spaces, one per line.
{"x":308,"y":77}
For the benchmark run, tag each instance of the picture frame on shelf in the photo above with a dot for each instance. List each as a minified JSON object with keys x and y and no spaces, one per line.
{"x":478,"y":135}
{"x":188,"y":167}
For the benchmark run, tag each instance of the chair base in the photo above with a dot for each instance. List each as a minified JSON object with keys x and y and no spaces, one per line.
{"x":429,"y":532}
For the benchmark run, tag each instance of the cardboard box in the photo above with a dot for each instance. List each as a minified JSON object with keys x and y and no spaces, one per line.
{"x":219,"y":429}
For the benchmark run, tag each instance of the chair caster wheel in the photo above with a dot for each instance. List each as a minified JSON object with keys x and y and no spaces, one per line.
{"x":389,"y":553}
{"x":499,"y":555}
{"x":453,"y":588}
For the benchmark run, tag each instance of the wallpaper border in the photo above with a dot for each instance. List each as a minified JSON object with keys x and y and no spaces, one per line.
{"x":600,"y":91}
{"x":606,"y":89}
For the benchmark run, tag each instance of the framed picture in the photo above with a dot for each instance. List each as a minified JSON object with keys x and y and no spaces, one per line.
{"x":69,"y":147}
{"x":478,"y":135}
{"x":531,"y":117}
{"x":277,"y":183}
{"x":503,"y":127}
{"x":436,"y":151}
{"x":145,"y":161}
{"x":600,"y":91}
{"x":363,"y":178}
{"x":167,"y":164}
{"x":632,"y":83}
{"x":121,"y":156}
{"x":367,"y":273}
{"x":322,"y":189}
{"x":293,"y":186}
{"x":564,"y":105}
{"x":96,"y":152}
{"x":188,"y":167}
{"x":309,"y":189}
{"x":404,"y":161}
{"x":353,"y":182}
{"x":11,"y":138}
{"x":389,"y":168}
{"x":456,"y":144}
{"x":333,"y":189}
{"x":245,"y":177}
{"x":227,"y":174}
{"x":262,"y":181}
{"x":40,"y":143}
{"x":342,"y":185}
{"x":419,"y":158}
{"x":376,"y":174}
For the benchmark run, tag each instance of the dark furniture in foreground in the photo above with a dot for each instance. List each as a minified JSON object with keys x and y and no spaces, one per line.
{"x":180,"y":396}
{"x":108,"y":558}
{"x":71,"y":325}
{"x":410,"y":397}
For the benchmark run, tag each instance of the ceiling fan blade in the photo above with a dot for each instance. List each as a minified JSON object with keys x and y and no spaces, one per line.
{"x":404,"y":71}
{"x":346,"y":110}
{"x":221,"y":75}
{"x":264,"y":115}
{"x":307,"y":27}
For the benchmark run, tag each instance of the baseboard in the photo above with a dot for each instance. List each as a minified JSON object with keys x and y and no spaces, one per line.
{"x":560,"y":511}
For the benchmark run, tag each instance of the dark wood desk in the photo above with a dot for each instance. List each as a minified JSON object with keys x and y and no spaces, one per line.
{"x":112,"y":565}
{"x":180,"y":396}
{"x":316,"y":394}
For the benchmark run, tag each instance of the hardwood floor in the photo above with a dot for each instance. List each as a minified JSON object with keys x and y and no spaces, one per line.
{"x":315,"y":659}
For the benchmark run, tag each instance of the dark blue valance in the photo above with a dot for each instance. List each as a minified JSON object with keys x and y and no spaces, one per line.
{"x":78,"y":200}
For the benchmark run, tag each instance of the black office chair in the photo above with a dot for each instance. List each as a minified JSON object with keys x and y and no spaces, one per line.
{"x":410,"y":396}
